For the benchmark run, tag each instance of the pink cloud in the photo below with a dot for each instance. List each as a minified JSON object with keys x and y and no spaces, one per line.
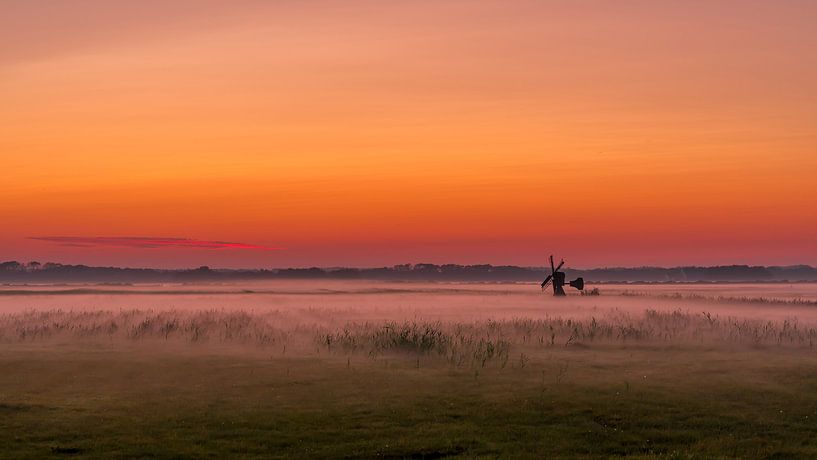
{"x":146,"y":242}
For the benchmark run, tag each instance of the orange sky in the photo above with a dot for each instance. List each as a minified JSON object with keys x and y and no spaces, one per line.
{"x":367,"y":133}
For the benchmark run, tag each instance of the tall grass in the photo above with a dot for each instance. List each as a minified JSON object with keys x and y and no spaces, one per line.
{"x":136,"y":325}
{"x":723,"y":299}
{"x":459,"y":343}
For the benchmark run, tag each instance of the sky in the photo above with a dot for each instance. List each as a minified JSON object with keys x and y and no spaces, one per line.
{"x":249,"y":133}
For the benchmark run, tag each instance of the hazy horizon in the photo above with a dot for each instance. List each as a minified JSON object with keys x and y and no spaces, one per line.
{"x":25,"y":262}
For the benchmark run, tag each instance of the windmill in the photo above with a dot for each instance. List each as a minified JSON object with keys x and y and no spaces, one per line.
{"x":558,"y":279}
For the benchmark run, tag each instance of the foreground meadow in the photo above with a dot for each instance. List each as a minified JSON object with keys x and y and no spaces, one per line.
{"x":698,"y":375}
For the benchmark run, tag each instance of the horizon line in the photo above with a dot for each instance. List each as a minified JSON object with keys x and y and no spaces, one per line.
{"x":412,"y":265}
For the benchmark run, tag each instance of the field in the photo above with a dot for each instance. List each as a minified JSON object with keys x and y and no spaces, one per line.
{"x":408,"y":371}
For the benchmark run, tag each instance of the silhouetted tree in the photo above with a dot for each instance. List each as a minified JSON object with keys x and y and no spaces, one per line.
{"x":11,"y":266}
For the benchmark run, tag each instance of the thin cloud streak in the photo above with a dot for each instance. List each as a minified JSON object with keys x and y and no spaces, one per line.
{"x":147,"y":242}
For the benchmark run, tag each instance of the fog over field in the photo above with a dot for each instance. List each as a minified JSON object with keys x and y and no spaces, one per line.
{"x":362,"y":300}
{"x":303,"y":317}
{"x":408,"y":370}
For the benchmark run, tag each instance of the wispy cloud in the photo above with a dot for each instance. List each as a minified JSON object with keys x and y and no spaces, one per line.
{"x":146,"y":242}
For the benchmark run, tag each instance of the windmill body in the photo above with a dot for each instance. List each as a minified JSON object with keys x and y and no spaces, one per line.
{"x":558,"y":283}
{"x":557,"y":279}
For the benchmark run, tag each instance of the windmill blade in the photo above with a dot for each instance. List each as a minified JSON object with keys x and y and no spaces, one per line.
{"x":546,"y":282}
{"x":560,"y":265}
{"x":552,"y":270}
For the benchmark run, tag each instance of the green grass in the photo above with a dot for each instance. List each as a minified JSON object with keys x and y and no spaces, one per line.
{"x":167,"y":400}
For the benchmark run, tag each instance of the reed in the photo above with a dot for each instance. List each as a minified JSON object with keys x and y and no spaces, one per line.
{"x":458,"y":342}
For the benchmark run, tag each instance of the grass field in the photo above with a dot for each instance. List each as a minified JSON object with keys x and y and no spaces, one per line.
{"x":214,"y":383}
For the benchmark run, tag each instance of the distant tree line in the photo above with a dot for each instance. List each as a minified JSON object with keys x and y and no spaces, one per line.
{"x":35,"y":272}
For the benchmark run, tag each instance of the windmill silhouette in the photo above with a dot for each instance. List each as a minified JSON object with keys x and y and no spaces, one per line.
{"x":557,"y":278}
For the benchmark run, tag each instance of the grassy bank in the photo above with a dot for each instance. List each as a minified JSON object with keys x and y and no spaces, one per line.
{"x":167,"y":400}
